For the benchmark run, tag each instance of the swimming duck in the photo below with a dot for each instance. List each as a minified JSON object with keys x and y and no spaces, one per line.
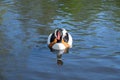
{"x":59,"y":42}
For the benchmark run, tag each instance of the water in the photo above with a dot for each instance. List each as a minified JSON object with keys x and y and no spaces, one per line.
{"x":26,"y":24}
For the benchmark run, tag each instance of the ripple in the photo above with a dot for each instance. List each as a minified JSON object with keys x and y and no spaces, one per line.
{"x":105,"y":70}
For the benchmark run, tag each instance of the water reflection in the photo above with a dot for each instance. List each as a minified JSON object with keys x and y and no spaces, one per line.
{"x":59,"y":62}
{"x":24,"y":28}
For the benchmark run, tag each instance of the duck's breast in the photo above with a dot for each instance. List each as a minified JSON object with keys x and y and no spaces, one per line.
{"x":58,"y":46}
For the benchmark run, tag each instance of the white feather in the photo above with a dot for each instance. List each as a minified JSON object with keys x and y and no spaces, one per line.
{"x":70,"y":40}
{"x":49,"y":37}
{"x":58,"y":46}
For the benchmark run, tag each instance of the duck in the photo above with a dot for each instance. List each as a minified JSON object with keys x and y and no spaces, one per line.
{"x":60,"y":41}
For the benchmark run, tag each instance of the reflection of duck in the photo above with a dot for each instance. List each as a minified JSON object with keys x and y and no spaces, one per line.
{"x":60,"y":41}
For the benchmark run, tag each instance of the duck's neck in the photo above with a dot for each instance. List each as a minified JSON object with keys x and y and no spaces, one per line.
{"x":60,"y":40}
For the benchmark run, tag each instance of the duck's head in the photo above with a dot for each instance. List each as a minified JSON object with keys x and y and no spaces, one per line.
{"x":60,"y":33}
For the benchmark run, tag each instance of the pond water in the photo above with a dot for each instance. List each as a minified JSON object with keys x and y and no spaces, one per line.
{"x":26,"y":24}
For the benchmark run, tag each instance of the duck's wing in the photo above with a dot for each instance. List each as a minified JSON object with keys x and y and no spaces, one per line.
{"x":51,"y":38}
{"x":70,"y":41}
{"x":66,"y":38}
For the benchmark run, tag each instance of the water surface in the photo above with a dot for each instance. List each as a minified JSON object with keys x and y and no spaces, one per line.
{"x":26,"y":24}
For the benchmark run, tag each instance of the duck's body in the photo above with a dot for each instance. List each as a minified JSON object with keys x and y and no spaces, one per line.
{"x":60,"y":41}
